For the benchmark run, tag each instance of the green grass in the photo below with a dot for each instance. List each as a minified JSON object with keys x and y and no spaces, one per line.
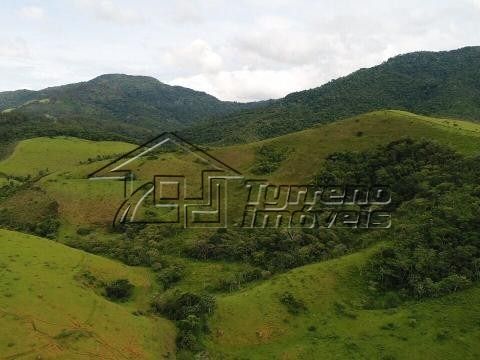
{"x":249,"y":324}
{"x":56,"y":154}
{"x":253,"y":324}
{"x":310,"y":147}
{"x":48,"y":310}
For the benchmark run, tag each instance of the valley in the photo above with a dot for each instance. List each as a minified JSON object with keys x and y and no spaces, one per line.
{"x":81,"y":278}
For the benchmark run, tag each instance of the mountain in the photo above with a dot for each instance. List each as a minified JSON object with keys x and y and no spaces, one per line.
{"x":114,"y":106}
{"x":139,"y":100}
{"x":135,"y":108}
{"x":443,"y":84}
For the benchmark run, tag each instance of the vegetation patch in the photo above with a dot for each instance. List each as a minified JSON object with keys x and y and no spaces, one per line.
{"x":268,"y":159}
{"x":189,"y":311}
{"x":119,"y":290}
{"x":293,"y":305}
{"x":433,"y":249}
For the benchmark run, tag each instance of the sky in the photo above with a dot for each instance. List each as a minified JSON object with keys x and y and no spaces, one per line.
{"x":243,"y":50}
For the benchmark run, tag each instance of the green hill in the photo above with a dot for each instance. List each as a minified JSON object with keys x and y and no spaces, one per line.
{"x":55,"y":154}
{"x":67,"y":159}
{"x":307,"y":149}
{"x":337,"y":323}
{"x":109,"y":107}
{"x":337,"y":318}
{"x":52,"y":307}
{"x":441,"y":84}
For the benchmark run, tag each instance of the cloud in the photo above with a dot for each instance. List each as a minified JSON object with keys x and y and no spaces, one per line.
{"x":32,"y":12}
{"x":14,"y":48}
{"x":278,"y":39}
{"x":475,"y":2}
{"x":247,"y":50}
{"x":185,"y":11}
{"x":196,"y":56}
{"x":250,"y":85}
{"x":107,"y":10}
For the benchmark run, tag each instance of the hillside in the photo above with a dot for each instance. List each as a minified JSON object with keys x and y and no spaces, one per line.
{"x":56,"y":154}
{"x":306,"y":151}
{"x":51,"y":307}
{"x":441,"y":84}
{"x":338,"y":323}
{"x":251,"y":277}
{"x":108,"y":107}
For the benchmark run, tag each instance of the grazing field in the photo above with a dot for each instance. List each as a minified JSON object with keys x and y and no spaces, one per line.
{"x":56,"y":154}
{"x":51,"y":298}
{"x":82,"y":202}
{"x":49,"y":307}
{"x":337,"y":322}
{"x":309,"y":147}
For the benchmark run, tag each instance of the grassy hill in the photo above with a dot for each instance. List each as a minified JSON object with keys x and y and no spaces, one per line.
{"x":57,"y":154}
{"x":250,"y":323}
{"x":441,"y":84}
{"x":307,"y":149}
{"x":67,"y":159}
{"x":50,"y":306}
{"x":337,"y":322}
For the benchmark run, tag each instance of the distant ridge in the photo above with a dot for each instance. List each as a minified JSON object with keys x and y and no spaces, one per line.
{"x":445,"y":83}
{"x":108,"y":107}
{"x":135,"y":108}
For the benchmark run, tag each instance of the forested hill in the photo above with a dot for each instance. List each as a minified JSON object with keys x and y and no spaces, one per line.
{"x":134,"y":108}
{"x":443,"y":83}
{"x":109,"y":107}
{"x":137,"y":100}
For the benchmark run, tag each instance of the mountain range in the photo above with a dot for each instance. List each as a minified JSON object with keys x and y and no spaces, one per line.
{"x":133,"y":108}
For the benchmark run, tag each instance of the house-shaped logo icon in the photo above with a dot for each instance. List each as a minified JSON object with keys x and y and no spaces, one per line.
{"x":169,"y":180}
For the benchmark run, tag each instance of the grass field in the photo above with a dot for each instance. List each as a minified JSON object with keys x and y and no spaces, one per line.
{"x":47,"y":310}
{"x":310,"y":147}
{"x":85,"y":202}
{"x":253,"y":324}
{"x":56,"y":154}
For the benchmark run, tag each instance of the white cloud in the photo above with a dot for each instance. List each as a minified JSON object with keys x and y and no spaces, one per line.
{"x":186,"y":11}
{"x":32,"y":12}
{"x":196,"y":56}
{"x":475,"y":2}
{"x":246,"y":50}
{"x":251,"y":85}
{"x":14,"y":48}
{"x":110,"y":11}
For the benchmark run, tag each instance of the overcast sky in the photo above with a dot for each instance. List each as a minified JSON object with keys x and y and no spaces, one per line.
{"x":235,"y":50}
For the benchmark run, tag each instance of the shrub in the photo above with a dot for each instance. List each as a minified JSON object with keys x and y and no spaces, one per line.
{"x":294,"y":305}
{"x":82,"y":231}
{"x":170,"y":275}
{"x":120,"y":289}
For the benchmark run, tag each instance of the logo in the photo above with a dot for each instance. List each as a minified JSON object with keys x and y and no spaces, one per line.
{"x":168,"y":180}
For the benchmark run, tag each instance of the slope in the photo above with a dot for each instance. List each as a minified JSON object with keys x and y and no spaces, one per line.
{"x":443,"y":83}
{"x":109,"y":107}
{"x":56,"y":154}
{"x":96,"y":202}
{"x":307,"y":149}
{"x":49,"y":307}
{"x":338,"y":321}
